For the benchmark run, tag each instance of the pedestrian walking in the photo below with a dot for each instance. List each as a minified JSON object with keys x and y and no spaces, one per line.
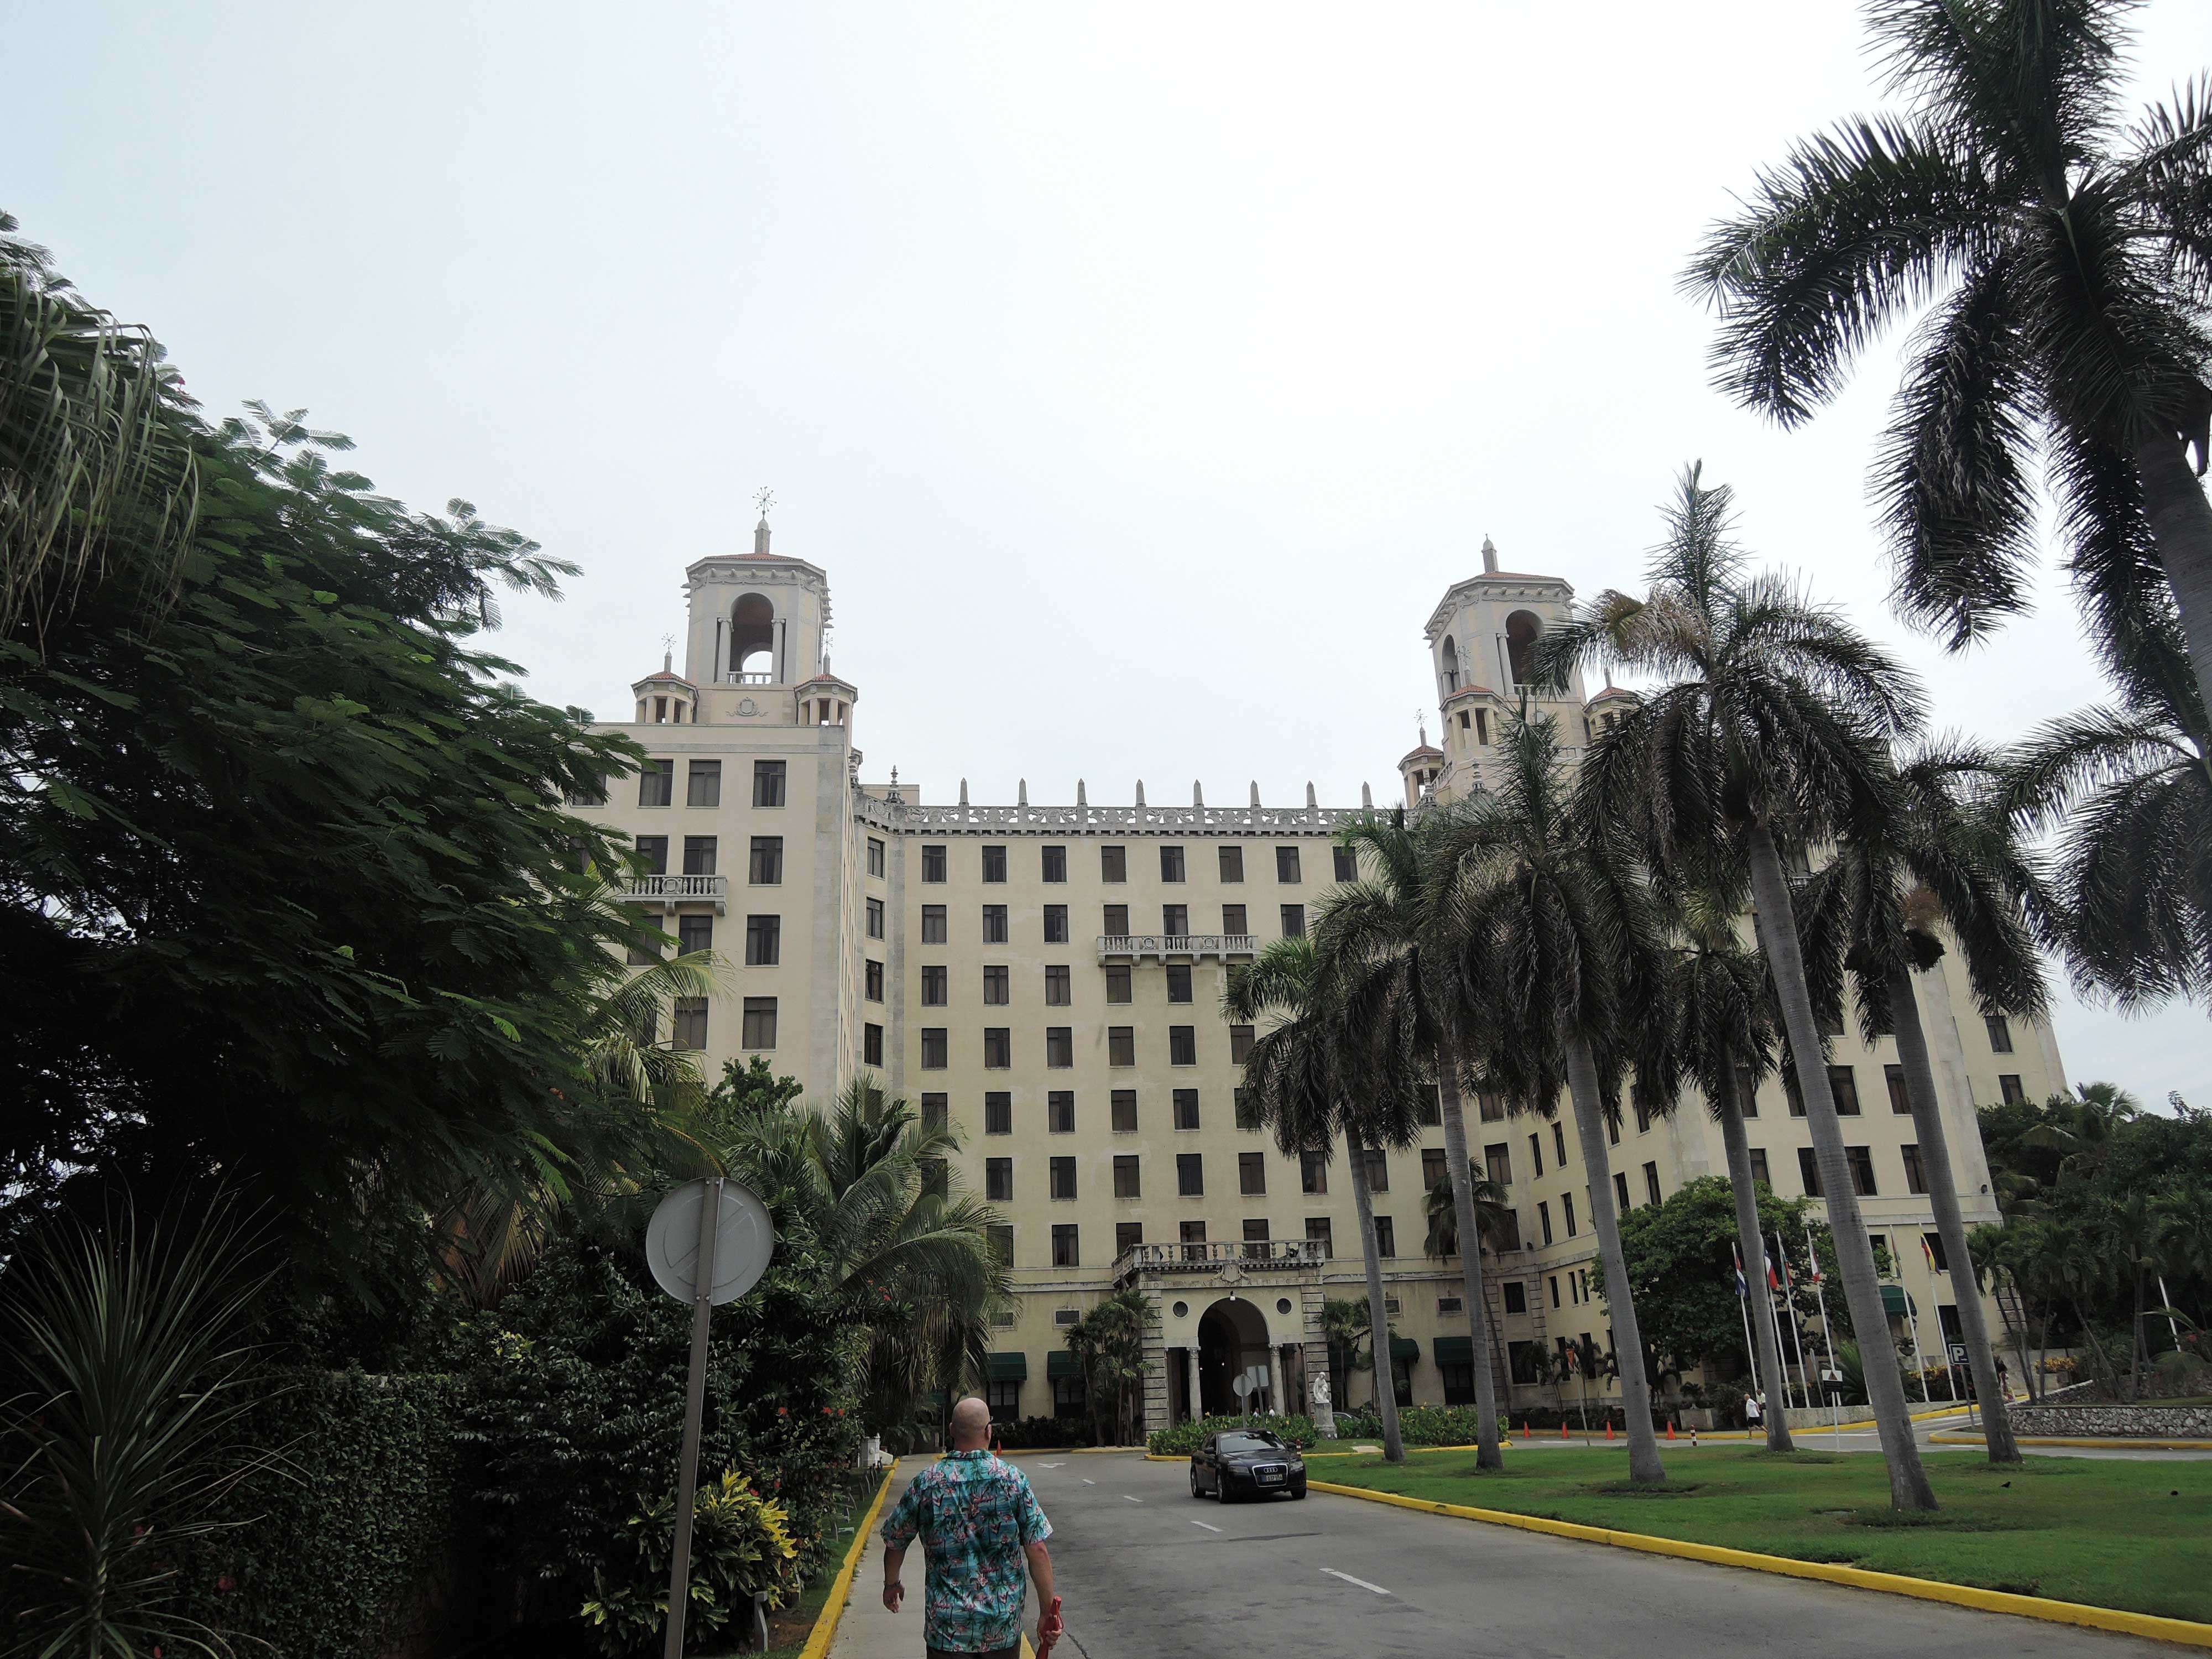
{"x":1753,"y":1412}
{"x":982,"y":1534}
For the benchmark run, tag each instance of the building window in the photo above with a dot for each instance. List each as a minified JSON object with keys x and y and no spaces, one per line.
{"x":1174,"y":920}
{"x":1900,"y":1095}
{"x":1376,"y":1166}
{"x":1117,"y":920}
{"x":998,"y":1112}
{"x":1612,"y":1129}
{"x":1794,"y":1094}
{"x":1916,"y":1177}
{"x":1171,"y":864}
{"x":1560,"y":1142}
{"x":936,"y":1115}
{"x":932,"y":924}
{"x":1002,"y":1244}
{"x":2008,"y":1089}
{"x":1516,"y":1297}
{"x":1567,"y":1211}
{"x":1128,"y":1181}
{"x":1432,"y":1169}
{"x":935,"y":1048}
{"x":1128,"y":1235}
{"x":1055,"y":864}
{"x":2000,"y":1031}
{"x":998,"y":1048}
{"x":702,"y":784}
{"x":999,"y":1180}
{"x":1182,"y":1045}
{"x":1294,"y":922}
{"x":1642,"y":1099}
{"x":1113,"y":863}
{"x":1844,"y":1084}
{"x":1058,"y":991}
{"x":1257,"y":1239}
{"x":1651,"y":1182}
{"x":1429,"y":1107}
{"x":652,"y":854}
{"x":1287,"y":863}
{"x":875,"y":856}
{"x":1933,"y":1243}
{"x":1125,"y":1111}
{"x":1508,"y":1229}
{"x":1498,"y":1163}
{"x":1121,"y":1045}
{"x":1190,"y":1175}
{"x":1758,"y":1172}
{"x":1240,"y":1044}
{"x":1252,"y":1174}
{"x":997,"y":986}
{"x":1232,"y":863}
{"x":1544,"y":1221}
{"x":1312,"y":1173}
{"x":933,"y":864}
{"x":1055,"y":924}
{"x":1554,"y":1283}
{"x":1234,"y":921}
{"x":1063,"y":1177}
{"x":1178,"y":981}
{"x":1059,"y":1047}
{"x":1386,"y":1238}
{"x":689,"y":1031}
{"x":995,"y":924}
{"x":1193,"y":1239}
{"x":693,"y":935}
{"x":767,"y":783}
{"x":1317,"y":1232}
{"x":1117,"y":985}
{"x":656,"y":783}
{"x":1536,"y":1156}
{"x":1747,"y":1091}
{"x":765,"y":868}
{"x":699,"y":855}
{"x":871,"y":1045}
{"x":759,"y":1030}
{"x":1861,"y":1159}
{"x":1346,"y":862}
{"x":934,"y":980}
{"x":995,"y":863}
{"x":875,"y":918}
{"x":1065,"y":1255}
{"x":1808,"y":1171}
{"x":1621,"y":1204}
{"x":1005,"y":1400}
{"x":872,"y":974}
{"x":763,"y":941}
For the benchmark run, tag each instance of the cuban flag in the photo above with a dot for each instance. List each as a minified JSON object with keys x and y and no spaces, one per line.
{"x":1743,"y":1290}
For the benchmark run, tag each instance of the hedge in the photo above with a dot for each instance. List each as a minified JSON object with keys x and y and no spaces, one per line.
{"x":1419,"y":1425}
{"x":1183,"y":1437}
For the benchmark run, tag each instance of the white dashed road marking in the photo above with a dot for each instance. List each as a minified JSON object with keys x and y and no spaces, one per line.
{"x":1091,"y":1483}
{"x":1208,"y":1525}
{"x":1126,"y":1498}
{"x":1052,"y":1465}
{"x":1349,"y":1579}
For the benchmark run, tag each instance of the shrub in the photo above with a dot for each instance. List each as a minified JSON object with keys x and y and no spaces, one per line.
{"x":1034,"y":1432}
{"x":1183,"y":1439}
{"x":1419,"y":1425}
{"x":741,"y":1547}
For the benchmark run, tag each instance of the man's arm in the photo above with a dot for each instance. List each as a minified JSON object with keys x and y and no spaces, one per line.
{"x":1040,"y":1559}
{"x":895,"y":1592}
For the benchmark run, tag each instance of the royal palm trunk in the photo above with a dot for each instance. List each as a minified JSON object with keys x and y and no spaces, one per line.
{"x":1386,"y":1386}
{"x":1777,"y":937}
{"x":2181,"y":528}
{"x":1752,"y":1245}
{"x":1644,"y":1462}
{"x":1487,"y":1454}
{"x":1950,"y":1226}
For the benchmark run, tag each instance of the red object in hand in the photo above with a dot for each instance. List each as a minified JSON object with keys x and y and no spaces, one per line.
{"x":1048,"y":1630}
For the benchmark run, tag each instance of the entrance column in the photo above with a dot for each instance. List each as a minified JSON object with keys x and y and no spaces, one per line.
{"x":1275,"y":1379}
{"x":1190,"y":1376}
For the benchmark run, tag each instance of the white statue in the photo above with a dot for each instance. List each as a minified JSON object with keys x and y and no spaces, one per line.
{"x":1324,"y":1417}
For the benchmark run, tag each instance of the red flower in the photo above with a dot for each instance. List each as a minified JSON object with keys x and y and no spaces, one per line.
{"x":783,"y":1411}
{"x":226,"y":1584}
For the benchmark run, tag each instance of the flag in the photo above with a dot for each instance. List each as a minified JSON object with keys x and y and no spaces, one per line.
{"x":1814,"y":1256}
{"x":1772,"y":1282}
{"x":1927,"y":1255}
{"x":1743,"y":1290}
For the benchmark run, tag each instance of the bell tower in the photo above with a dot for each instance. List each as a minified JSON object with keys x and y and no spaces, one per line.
{"x":757,"y":636}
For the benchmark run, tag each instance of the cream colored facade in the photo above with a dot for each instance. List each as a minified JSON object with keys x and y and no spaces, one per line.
{"x":1048,"y":978}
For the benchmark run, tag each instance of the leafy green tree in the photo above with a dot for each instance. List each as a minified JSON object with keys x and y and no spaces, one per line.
{"x":1303,"y":1082}
{"x":1771,"y":730}
{"x":1565,"y":942}
{"x":1109,"y":1342}
{"x":2062,"y":261}
{"x":1440,"y":1205}
{"x":1348,"y":1328}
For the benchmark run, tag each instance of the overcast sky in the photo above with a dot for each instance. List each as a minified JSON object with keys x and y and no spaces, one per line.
{"x":1142,"y":375}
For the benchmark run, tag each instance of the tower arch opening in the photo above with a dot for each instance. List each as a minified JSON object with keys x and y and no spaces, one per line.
{"x":1448,"y":657}
{"x":752,"y":639}
{"x":1522,"y":629}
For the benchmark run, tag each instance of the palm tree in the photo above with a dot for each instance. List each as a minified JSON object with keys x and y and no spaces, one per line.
{"x":1876,"y":914}
{"x":1108,"y":1341}
{"x":1384,"y":938}
{"x":1441,"y":1207}
{"x":1303,"y":1080}
{"x":2062,"y":263}
{"x":2129,"y":790}
{"x":1346,"y":1327}
{"x":1561,"y":948}
{"x":1773,"y":730}
{"x":1721,"y":1037}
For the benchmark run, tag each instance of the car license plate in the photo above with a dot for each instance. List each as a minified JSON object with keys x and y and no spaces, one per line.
{"x":1271,"y":1477}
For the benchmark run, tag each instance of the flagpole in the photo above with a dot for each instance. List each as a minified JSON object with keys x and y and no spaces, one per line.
{"x":1950,"y":1372}
{"x":1774,"y":1319}
{"x":1912,"y":1324}
{"x":1796,"y":1330}
{"x":1743,"y":1310}
{"x":1827,"y":1331}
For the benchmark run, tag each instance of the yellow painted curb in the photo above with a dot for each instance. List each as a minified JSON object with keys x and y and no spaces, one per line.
{"x":2185,"y":1631}
{"x":841,"y":1587}
{"x":2115,"y":1443}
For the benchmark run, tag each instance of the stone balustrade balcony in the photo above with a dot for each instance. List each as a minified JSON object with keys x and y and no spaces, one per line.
{"x":669,"y":891}
{"x":1254,"y":1255}
{"x":1163,"y":947}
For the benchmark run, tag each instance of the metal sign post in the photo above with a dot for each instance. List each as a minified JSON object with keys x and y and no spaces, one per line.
{"x":709,"y":1242}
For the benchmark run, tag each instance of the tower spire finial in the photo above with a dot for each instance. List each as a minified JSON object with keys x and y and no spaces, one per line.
{"x":763,"y":498}
{"x":1489,"y":556}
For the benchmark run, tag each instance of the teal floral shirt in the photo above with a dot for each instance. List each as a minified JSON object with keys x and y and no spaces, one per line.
{"x":973,"y":1515}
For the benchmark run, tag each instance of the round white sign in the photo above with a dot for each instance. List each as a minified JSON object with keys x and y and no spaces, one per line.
{"x":745,"y":1240}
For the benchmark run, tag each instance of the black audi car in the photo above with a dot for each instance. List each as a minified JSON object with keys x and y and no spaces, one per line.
{"x":1246,"y":1463}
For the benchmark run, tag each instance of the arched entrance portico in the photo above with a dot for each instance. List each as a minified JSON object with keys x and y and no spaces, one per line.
{"x":1232,"y":1338}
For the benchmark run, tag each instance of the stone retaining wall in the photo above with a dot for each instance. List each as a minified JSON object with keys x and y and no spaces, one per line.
{"x":2122,"y":1422}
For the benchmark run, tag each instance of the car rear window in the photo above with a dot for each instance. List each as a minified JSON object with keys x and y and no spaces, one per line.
{"x":1242,"y":1443}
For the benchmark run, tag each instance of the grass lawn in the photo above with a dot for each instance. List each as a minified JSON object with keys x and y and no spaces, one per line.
{"x":2136,"y":1536}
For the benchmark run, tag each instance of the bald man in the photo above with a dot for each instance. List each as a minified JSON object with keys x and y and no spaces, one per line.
{"x":980,"y":1526}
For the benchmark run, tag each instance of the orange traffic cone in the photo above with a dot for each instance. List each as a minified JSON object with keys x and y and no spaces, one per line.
{"x":1563,"y":1428}
{"x":1524,"y":1428}
{"x":1670,"y":1429}
{"x":1608,"y":1428}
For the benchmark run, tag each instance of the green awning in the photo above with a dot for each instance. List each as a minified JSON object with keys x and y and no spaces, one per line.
{"x":1404,"y":1351}
{"x":1010,"y":1367}
{"x":1454,"y":1350}
{"x":1059,"y":1362}
{"x":1896,"y":1304}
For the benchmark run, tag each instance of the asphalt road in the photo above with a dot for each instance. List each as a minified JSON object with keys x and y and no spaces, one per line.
{"x":1146,"y":1572}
